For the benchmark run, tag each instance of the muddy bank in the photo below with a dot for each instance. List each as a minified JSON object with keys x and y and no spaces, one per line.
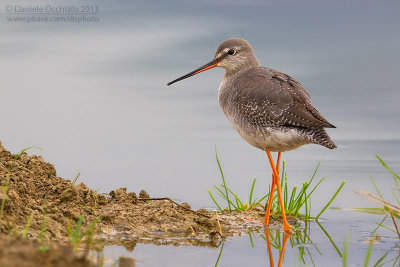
{"x":56,"y":206}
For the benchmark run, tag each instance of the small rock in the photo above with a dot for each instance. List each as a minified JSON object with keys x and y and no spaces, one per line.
{"x":143,"y":194}
{"x":132,"y":197}
{"x":119,"y":193}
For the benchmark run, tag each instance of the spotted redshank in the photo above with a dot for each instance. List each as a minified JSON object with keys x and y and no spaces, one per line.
{"x":269,"y":109}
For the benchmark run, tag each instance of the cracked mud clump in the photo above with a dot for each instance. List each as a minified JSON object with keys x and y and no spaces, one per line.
{"x":120,"y":217}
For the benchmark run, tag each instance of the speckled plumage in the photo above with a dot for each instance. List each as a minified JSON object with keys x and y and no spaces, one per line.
{"x":272,"y":110}
{"x":269,"y":108}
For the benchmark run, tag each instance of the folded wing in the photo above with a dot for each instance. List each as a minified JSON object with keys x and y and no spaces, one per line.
{"x":265,"y":97}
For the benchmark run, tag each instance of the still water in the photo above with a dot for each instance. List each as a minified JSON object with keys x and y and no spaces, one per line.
{"x":319,"y":248}
{"x":93,"y":96}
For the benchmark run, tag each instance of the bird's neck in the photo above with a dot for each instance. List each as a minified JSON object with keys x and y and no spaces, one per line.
{"x":247,"y":63}
{"x":231,"y":74}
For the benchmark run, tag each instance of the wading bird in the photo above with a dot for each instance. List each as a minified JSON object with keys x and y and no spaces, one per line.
{"x":270,"y":110}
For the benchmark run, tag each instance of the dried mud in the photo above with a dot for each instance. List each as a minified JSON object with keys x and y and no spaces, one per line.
{"x":118,"y":218}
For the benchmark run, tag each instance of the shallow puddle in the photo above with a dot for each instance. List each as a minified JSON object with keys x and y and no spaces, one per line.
{"x":311,"y":246}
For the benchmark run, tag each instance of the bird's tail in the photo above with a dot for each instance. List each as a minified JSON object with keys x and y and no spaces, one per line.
{"x":320,"y":136}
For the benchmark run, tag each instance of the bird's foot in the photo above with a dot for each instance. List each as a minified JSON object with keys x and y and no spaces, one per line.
{"x":287,"y":228}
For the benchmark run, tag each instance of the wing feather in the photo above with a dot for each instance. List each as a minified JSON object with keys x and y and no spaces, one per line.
{"x":265,"y":97}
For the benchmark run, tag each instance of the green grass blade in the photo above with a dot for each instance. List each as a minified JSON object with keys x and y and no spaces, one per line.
{"x":43,"y":227}
{"x":232,"y":204}
{"x":228,"y":200}
{"x":236,"y":199}
{"x":381,"y":259}
{"x":315,"y":187}
{"x":222,"y":194}
{"x":251,"y":191}
{"x":396,"y":215}
{"x":376,"y":211}
{"x":376,"y":187}
{"x":387,"y":167}
{"x":379,"y":224}
{"x":28,"y":224}
{"x":299,"y":201}
{"x":212,"y":197}
{"x":223,"y":177}
{"x":238,"y":203}
{"x":310,"y":256}
{"x":398,"y":202}
{"x":285,"y":198}
{"x":330,"y":239}
{"x":305,"y":202}
{"x":220,"y":253}
{"x":315,"y":172}
{"x":387,"y":228}
{"x":369,"y":252}
{"x":346,"y":249}
{"x":330,"y":201}
{"x":291,"y":200}
{"x":24,"y":150}
{"x":76,"y":234}
{"x":264,"y":197}
{"x":90,"y":230}
{"x":251,"y":239}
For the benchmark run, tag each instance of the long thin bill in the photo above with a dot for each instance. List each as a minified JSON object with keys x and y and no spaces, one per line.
{"x":212,"y":64}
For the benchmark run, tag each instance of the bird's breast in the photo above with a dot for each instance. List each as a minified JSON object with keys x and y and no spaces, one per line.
{"x":225,"y":92}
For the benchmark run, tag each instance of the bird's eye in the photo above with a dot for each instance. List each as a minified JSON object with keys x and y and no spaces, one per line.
{"x":231,"y":52}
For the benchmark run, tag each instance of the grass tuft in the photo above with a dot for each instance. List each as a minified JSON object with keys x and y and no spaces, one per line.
{"x":296,"y":199}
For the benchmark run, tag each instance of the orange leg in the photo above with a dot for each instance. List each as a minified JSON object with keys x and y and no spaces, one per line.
{"x":271,"y":194}
{"x":285,"y":239}
{"x":286,"y":225}
{"x":271,"y":259}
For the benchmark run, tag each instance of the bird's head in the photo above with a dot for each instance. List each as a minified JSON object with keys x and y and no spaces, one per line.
{"x":233,"y":55}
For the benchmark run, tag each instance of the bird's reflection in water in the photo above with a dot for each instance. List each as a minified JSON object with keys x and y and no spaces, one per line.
{"x":299,"y":240}
{"x":281,"y":247}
